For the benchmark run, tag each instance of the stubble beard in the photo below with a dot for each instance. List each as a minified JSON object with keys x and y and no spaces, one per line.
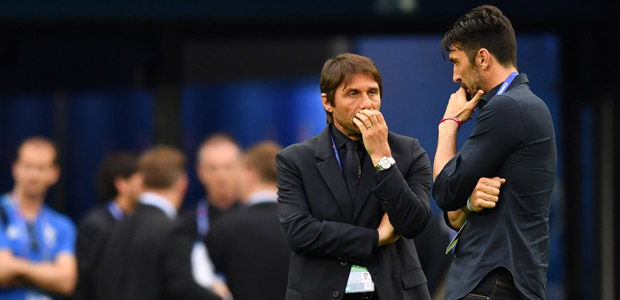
{"x":354,"y":132}
{"x":475,"y":83}
{"x":350,"y":129}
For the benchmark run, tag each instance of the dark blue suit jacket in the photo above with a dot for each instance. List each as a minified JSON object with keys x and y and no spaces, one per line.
{"x":328,"y":233}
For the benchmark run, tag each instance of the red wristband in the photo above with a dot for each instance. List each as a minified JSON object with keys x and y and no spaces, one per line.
{"x":453,"y":119}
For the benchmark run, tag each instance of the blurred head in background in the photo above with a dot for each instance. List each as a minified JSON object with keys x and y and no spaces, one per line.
{"x":35,"y":169}
{"x":218,"y":169}
{"x":118,"y":180}
{"x":163,"y":170}
{"x":259,"y":169}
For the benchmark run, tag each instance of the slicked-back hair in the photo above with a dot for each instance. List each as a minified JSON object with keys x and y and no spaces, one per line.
{"x":341,"y":69}
{"x":114,"y":165}
{"x":483,"y":27}
{"x":161,"y":166}
{"x":262,"y":158}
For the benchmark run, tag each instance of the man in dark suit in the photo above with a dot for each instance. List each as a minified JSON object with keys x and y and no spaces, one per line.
{"x":217,"y":168}
{"x":146,"y":255}
{"x":247,"y":245}
{"x":352,"y":198}
{"x":119,"y":184}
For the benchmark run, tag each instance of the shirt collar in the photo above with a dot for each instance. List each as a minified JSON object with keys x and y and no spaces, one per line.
{"x":159,"y":202}
{"x":521,"y":78}
{"x":339,"y":138}
{"x":261,"y":197}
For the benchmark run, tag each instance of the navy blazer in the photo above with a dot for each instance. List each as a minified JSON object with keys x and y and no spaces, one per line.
{"x":328,"y":233}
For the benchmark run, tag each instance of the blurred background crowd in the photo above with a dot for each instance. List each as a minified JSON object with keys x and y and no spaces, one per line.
{"x":123,"y":76}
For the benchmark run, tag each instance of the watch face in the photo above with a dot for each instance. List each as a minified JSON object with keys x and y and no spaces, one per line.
{"x":385,"y":163}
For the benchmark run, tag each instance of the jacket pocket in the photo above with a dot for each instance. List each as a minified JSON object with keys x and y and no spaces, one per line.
{"x":413,"y":279}
{"x":293,"y":295}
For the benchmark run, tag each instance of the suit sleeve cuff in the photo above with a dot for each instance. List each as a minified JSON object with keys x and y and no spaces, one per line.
{"x":382,"y":175}
{"x":376,"y":240}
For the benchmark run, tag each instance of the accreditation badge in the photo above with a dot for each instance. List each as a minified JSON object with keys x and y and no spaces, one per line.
{"x":455,"y":239}
{"x":359,"y":281}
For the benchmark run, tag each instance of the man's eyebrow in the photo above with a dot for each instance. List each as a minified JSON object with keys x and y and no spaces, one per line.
{"x":349,"y":89}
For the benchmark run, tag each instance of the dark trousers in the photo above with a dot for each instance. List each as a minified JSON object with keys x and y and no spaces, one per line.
{"x":497,"y":284}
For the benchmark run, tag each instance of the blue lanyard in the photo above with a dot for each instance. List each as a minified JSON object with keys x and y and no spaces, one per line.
{"x":335,"y":150}
{"x":32,"y":244}
{"x":202,"y":218}
{"x":507,"y":83}
{"x":115,"y":210}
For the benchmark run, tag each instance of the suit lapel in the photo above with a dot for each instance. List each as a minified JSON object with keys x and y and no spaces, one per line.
{"x":367,"y":182}
{"x":330,"y":172}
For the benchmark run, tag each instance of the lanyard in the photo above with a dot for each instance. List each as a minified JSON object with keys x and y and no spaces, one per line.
{"x":35,"y":243}
{"x":115,"y":210}
{"x":506,"y":83}
{"x":202,"y":218}
{"x":335,"y":151}
{"x":501,"y":90}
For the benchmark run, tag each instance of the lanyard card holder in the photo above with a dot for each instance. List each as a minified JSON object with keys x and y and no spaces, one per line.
{"x":359,"y":281}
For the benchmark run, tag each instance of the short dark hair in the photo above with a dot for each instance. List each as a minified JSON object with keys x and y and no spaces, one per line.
{"x":262,"y":158}
{"x":38,"y":141}
{"x":483,"y":27}
{"x":117,"y":164}
{"x":161,"y":166}
{"x":341,"y":69}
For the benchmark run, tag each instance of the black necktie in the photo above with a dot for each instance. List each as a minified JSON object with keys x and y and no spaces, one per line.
{"x":354,"y":170}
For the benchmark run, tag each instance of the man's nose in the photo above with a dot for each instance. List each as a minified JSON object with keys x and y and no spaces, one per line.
{"x":456,"y":77}
{"x":366,"y":103}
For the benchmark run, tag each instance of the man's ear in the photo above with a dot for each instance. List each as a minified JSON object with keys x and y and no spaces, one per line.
{"x":483,"y":59}
{"x":328,"y":107}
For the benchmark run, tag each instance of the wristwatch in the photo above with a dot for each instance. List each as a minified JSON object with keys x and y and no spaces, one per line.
{"x":384,"y":164}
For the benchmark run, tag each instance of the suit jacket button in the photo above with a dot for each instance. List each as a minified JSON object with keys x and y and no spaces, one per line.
{"x":344,"y":263}
{"x":335,"y":294}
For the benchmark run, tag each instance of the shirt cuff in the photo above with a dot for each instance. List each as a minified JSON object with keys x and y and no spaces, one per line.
{"x":447,"y":220}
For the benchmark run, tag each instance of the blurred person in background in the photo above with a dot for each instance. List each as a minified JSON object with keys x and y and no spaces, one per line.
{"x":503,"y":248}
{"x":37,"y":259}
{"x":146,"y":256}
{"x":247,"y":246}
{"x":352,"y":198}
{"x":218,"y":169}
{"x":119,"y":185}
